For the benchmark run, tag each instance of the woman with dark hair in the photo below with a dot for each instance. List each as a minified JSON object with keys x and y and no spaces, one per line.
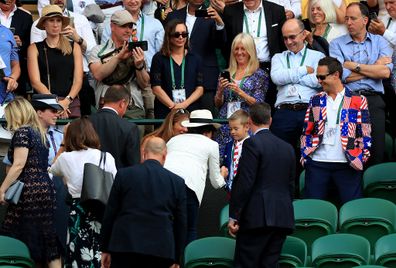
{"x":55,"y":65}
{"x":176,"y":74}
{"x":80,"y":146}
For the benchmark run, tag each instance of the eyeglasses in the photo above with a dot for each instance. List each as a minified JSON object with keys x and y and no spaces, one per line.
{"x":292,"y":37}
{"x":178,"y":34}
{"x":323,"y":76}
{"x":129,"y":25}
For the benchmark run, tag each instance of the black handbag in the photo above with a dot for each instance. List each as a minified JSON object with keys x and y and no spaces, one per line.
{"x":97,"y":183}
{"x":14,"y":192}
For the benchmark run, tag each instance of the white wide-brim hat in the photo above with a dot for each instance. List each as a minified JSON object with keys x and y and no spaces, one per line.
{"x":200,"y":118}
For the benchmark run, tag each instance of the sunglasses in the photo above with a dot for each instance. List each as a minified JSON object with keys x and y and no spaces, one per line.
{"x":322,"y":76}
{"x":182,"y":111}
{"x":178,"y":34}
{"x":292,"y":37}
{"x":129,"y":25}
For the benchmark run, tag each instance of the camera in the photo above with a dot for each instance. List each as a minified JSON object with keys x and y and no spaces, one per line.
{"x":142,"y":44}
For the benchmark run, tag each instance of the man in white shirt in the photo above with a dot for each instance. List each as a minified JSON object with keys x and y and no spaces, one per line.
{"x":292,"y":7}
{"x":76,"y":6}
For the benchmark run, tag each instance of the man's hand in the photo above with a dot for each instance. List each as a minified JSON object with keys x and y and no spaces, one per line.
{"x":124,"y":52}
{"x":138,"y":56}
{"x":310,"y":70}
{"x":383,"y":61}
{"x":18,"y":40}
{"x":233,"y":227}
{"x":289,"y":14}
{"x":12,"y":84}
{"x":308,"y":37}
{"x":376,"y":27}
{"x":174,"y":266}
{"x":213,"y":14}
{"x":105,"y":260}
{"x":218,"y":5}
{"x":224,"y":172}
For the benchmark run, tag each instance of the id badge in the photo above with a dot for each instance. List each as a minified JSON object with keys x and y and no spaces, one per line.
{"x":292,"y":91}
{"x":179,"y":95}
{"x":232,"y":107}
{"x":329,"y":136}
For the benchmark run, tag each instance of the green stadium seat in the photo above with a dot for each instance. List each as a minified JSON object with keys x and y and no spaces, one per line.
{"x":214,"y":252}
{"x":224,"y":216}
{"x":14,"y":253}
{"x":380,"y":181}
{"x":389,"y":147}
{"x":340,"y":250}
{"x":368,"y":217}
{"x":369,"y":266}
{"x":385,"y":251}
{"x":294,"y":253}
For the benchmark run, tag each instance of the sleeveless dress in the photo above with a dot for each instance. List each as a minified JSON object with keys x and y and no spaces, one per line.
{"x":31,"y":220}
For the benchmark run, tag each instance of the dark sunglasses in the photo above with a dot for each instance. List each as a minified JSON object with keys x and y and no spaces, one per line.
{"x":129,"y":25}
{"x":182,"y":111}
{"x":292,"y":37}
{"x":323,"y":76}
{"x":178,"y":34}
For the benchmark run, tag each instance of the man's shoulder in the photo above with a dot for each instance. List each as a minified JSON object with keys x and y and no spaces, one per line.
{"x":237,"y":7}
{"x":23,"y":13}
{"x":272,"y":6}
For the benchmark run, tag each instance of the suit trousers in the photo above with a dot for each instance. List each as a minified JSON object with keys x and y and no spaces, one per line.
{"x":320,"y":175}
{"x":259,"y":248}
{"x":192,"y":215}
{"x":136,"y":260}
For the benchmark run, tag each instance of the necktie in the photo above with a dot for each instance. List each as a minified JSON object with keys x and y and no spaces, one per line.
{"x":69,"y":5}
{"x":51,"y":134}
{"x":235,"y":159}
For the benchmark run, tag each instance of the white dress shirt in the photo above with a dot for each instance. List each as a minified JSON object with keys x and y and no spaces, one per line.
{"x":296,"y":77}
{"x":390,"y":32}
{"x":190,"y":156}
{"x":6,"y":21}
{"x":78,"y":5}
{"x":292,"y":5}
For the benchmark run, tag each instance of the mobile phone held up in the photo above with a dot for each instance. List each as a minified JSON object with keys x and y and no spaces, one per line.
{"x":203,"y":13}
{"x":142,"y":44}
{"x":373,"y":16}
{"x":225,"y":75}
{"x":307,"y":25}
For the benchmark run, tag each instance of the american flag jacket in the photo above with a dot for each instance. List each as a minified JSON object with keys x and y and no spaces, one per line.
{"x":354,"y":123}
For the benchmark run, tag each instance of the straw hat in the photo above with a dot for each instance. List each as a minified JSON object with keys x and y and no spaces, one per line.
{"x":51,"y":11}
{"x":200,"y":118}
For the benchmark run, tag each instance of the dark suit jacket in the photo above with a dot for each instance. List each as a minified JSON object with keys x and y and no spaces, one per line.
{"x":274,"y":19}
{"x":262,"y":191}
{"x":117,"y":136}
{"x":22,"y":22}
{"x":203,"y":42}
{"x":146,"y":212}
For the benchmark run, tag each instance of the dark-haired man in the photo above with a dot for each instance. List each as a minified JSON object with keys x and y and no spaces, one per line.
{"x":366,"y":60}
{"x":117,"y":136}
{"x":336,"y":139}
{"x":261,"y":211}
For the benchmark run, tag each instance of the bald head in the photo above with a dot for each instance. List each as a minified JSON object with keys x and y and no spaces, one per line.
{"x":155,"y":149}
{"x":293,"y":35}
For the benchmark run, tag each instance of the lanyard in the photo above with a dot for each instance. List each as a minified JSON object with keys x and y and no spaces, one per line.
{"x":302,"y":60}
{"x":141,"y":29}
{"x":173,"y":73}
{"x":339,"y":110}
{"x":103,"y":49}
{"x":389,"y":22}
{"x":240,"y":83}
{"x":258,"y":24}
{"x":327,"y":30}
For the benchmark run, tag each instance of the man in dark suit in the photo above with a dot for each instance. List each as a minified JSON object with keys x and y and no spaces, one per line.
{"x":263,"y":20}
{"x":261,"y":210}
{"x":145,"y":222}
{"x":117,"y":136}
{"x":205,"y":35}
{"x":21,"y":23}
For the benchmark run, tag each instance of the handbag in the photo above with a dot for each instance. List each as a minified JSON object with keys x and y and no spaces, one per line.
{"x":14,"y":192}
{"x":97,"y":183}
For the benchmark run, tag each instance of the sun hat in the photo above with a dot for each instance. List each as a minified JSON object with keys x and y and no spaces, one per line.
{"x":45,"y":101}
{"x":51,"y":11}
{"x":200,"y":118}
{"x":122,"y":17}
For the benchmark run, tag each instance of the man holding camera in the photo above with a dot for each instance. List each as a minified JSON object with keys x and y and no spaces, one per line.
{"x":116,"y":62}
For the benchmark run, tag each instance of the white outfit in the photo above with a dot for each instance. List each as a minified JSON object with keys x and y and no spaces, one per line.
{"x":292,"y":5}
{"x":190,"y":156}
{"x":83,"y":29}
{"x":336,"y":30}
{"x":78,"y":5}
{"x":71,"y":166}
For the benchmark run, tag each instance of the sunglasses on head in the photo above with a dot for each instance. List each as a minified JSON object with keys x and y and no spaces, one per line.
{"x":182,"y":111}
{"x":178,"y":34}
{"x":322,"y":76}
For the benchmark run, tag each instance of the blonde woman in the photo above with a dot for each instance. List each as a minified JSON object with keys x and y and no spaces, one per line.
{"x":31,"y":220}
{"x":323,"y":15}
{"x":55,"y":64}
{"x":248,"y":84}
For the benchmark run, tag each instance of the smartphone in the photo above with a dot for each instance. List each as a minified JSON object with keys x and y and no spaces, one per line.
{"x":307,"y":25}
{"x":225,"y":75}
{"x":142,"y":44}
{"x":201,"y":13}
{"x":373,"y":16}
{"x":12,"y":29}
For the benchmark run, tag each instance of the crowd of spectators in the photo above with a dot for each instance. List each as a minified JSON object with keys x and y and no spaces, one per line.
{"x":325,"y":67}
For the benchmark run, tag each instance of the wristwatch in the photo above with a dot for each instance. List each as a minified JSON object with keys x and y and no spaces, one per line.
{"x":70,"y":98}
{"x":80,"y":41}
{"x":357,"y":68}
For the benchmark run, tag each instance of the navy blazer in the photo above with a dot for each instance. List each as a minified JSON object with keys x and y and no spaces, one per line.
{"x":146,"y":212}
{"x":117,"y":136}
{"x":262,"y":191}
{"x":274,"y":19}
{"x":204,"y":40}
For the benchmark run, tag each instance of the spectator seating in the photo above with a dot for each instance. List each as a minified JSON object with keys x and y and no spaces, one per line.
{"x":294,"y":253}
{"x":210,"y":252}
{"x":302,"y":183}
{"x":224,"y":215}
{"x":340,"y":250}
{"x":385,"y":251}
{"x":314,"y":218}
{"x":14,"y":253}
{"x":368,"y":217}
{"x":380,"y":181}
{"x":369,"y":266}
{"x":389,"y":147}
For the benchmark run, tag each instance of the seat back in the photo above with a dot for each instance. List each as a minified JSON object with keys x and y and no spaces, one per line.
{"x":368,"y":217}
{"x":389,"y":145}
{"x":302,"y":183}
{"x":314,"y":218}
{"x":14,"y":253}
{"x":210,"y":252}
{"x":385,"y":251}
{"x":224,"y":216}
{"x":380,"y":181}
{"x":369,"y":266}
{"x":340,"y":250}
{"x":294,"y":253}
